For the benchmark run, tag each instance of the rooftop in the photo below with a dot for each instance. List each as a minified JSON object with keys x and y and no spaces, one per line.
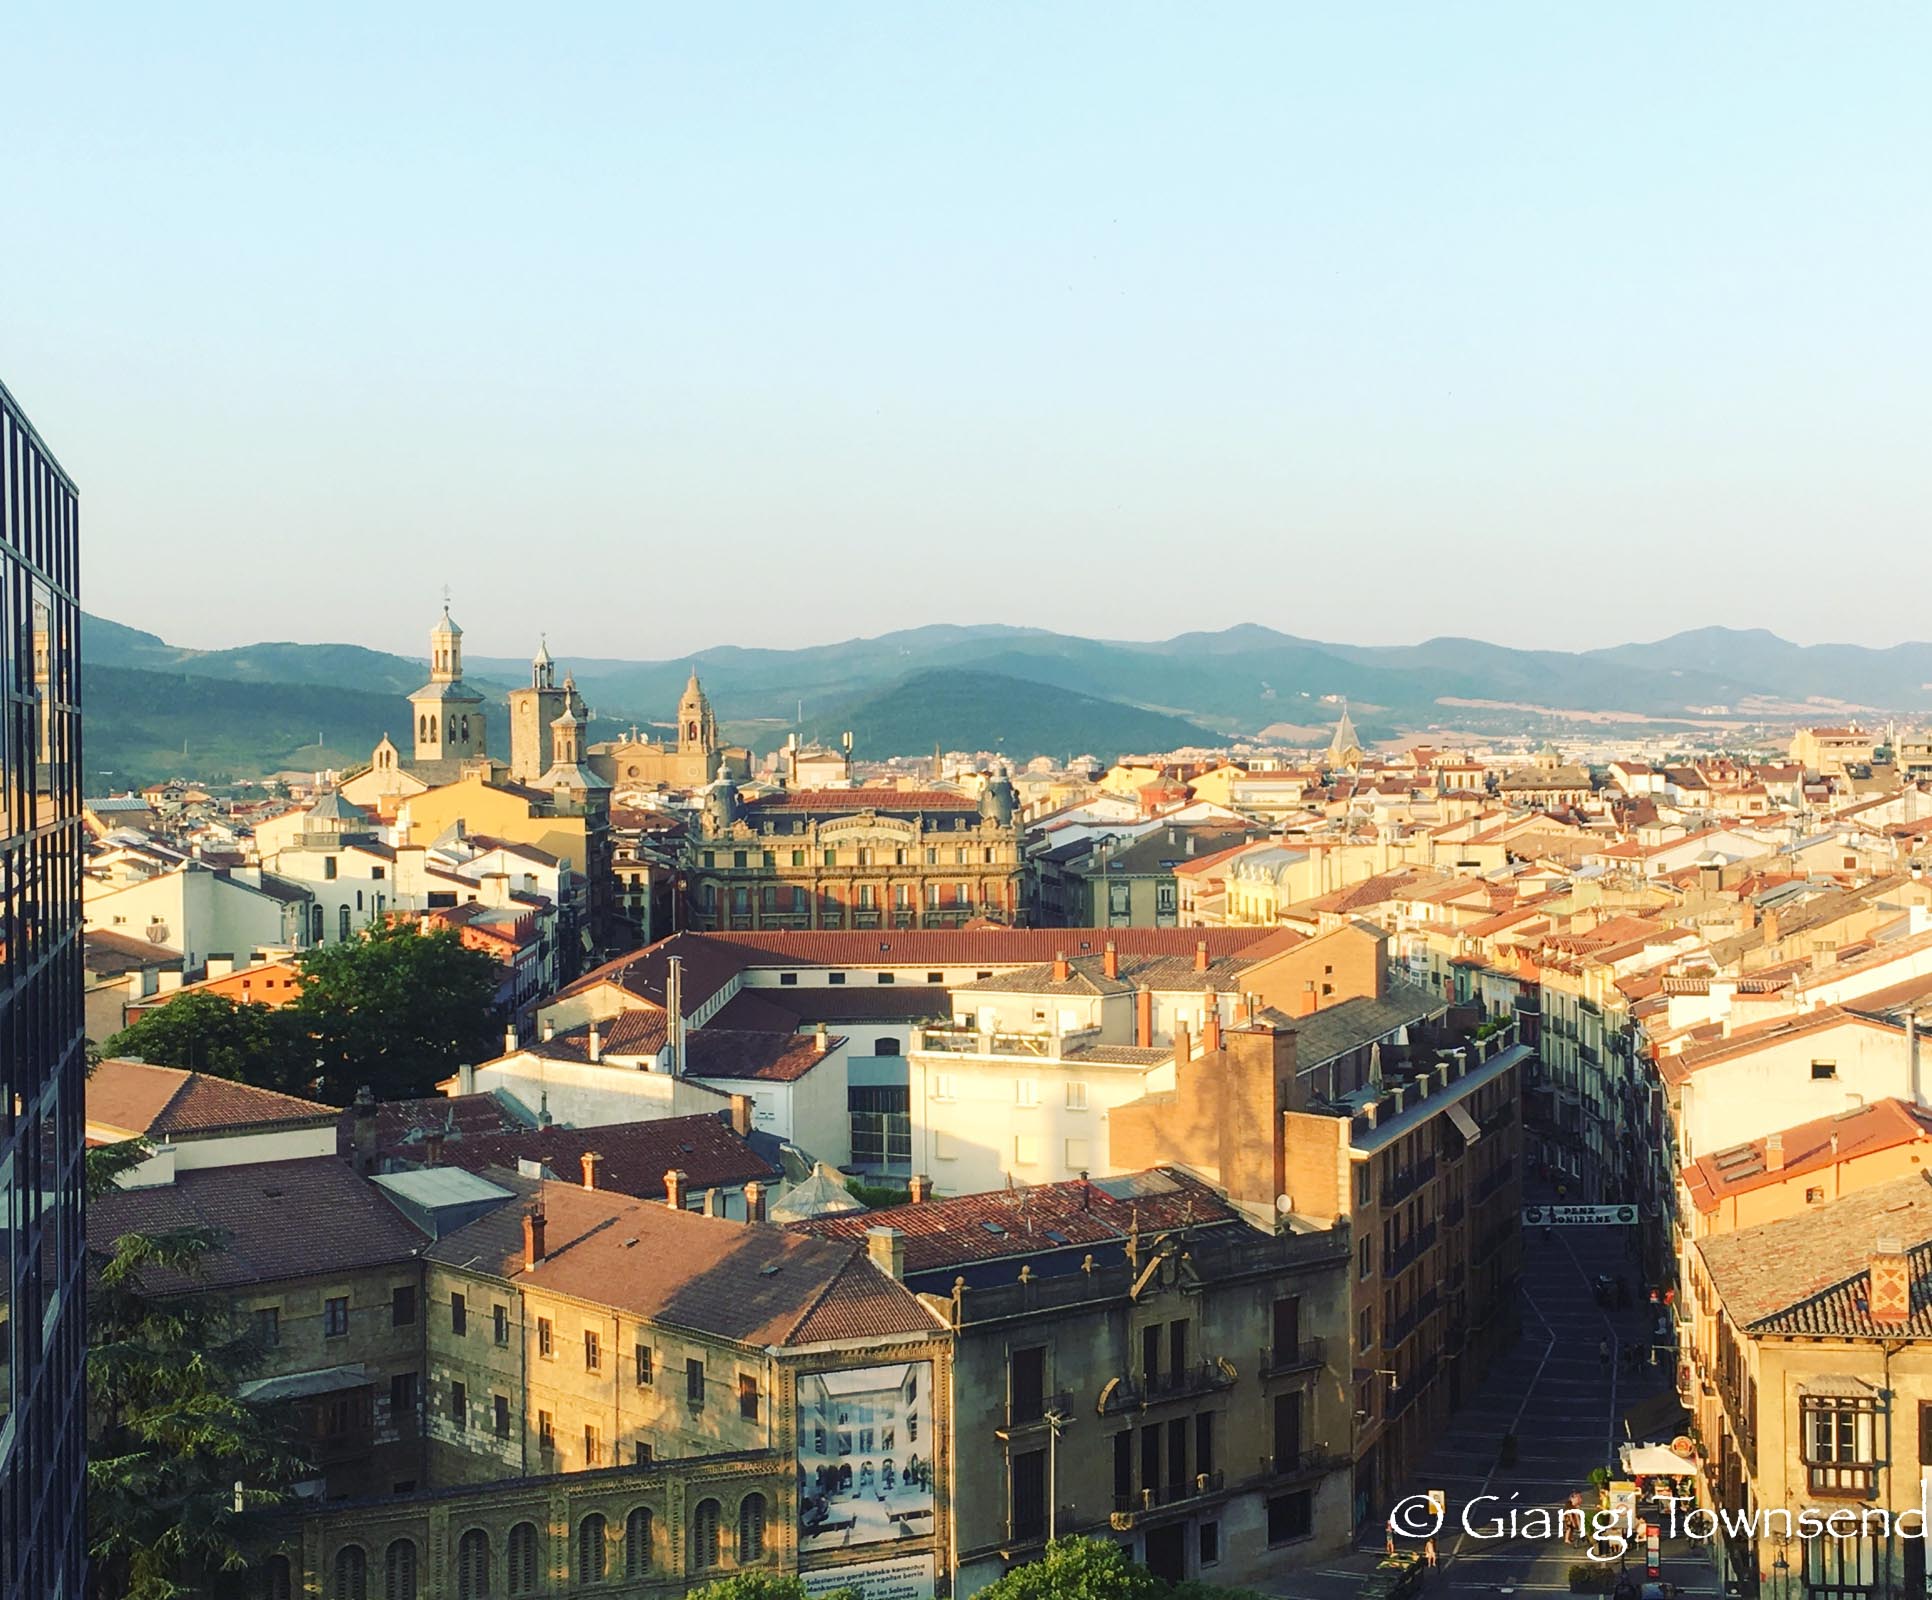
{"x":135,"y":1099}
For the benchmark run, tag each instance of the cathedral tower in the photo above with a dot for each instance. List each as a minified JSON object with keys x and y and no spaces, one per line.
{"x":697,"y":727}
{"x":533,"y":709}
{"x":448,"y":713}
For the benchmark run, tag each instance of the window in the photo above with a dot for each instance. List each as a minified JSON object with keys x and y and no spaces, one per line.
{"x":1029,"y":1491}
{"x":1839,"y":1449}
{"x":546,"y":1338}
{"x":546,"y":1432}
{"x":751,"y":1529}
{"x":1026,"y":1384}
{"x":704,"y":1536}
{"x":945,"y":1086}
{"x":402,"y":1394}
{"x":502,"y":1406}
{"x":798,"y":860}
{"x":520,"y":1568}
{"x":459,"y":1407}
{"x":1814,"y":1197}
{"x":640,"y":1454}
{"x":335,"y":1317}
{"x":1365,"y":1268}
{"x":1363,"y":1189}
{"x":265,"y":1324}
{"x":593,"y":1351}
{"x":694,"y":1382}
{"x":637,"y":1542}
{"x":1026,"y":1150}
{"x":888,"y":977}
{"x":275,"y":1578}
{"x":402,"y":1305}
{"x":473,"y":1565}
{"x":593,"y":1446}
{"x":500,"y":1323}
{"x":342,"y":930}
{"x":459,"y":1316}
{"x":1841,"y":1568}
{"x":351,"y":1574}
{"x":590,"y":1549}
{"x":835,"y":978}
{"x":1210,"y":1545}
{"x":399,"y":1571}
{"x":1204,"y":1441}
{"x":1026,"y":1092}
{"x":1076,"y":1097}
{"x":1822,"y":1070}
{"x":1079,"y":1155}
{"x":1290,"y":1516}
{"x":643,"y":1364}
{"x":747,"y":1397}
{"x":831,"y":858}
{"x":1365,"y":1331}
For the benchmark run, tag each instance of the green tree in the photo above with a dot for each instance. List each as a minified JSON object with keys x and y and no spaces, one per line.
{"x":211,"y":1033}
{"x":1079,"y":1569}
{"x":180,"y":1469}
{"x":396,"y":1009}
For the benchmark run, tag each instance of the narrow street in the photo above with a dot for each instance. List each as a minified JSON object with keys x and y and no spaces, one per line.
{"x":1564,"y":1403}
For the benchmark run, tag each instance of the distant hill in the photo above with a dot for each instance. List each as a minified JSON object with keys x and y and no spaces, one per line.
{"x":988,"y":711}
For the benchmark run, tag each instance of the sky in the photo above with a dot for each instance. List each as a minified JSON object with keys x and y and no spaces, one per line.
{"x":657,"y":327}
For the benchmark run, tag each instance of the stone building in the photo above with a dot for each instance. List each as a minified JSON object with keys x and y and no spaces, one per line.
{"x":1191,"y":1371}
{"x":689,"y":760}
{"x":853,"y":858}
{"x":447,"y":736}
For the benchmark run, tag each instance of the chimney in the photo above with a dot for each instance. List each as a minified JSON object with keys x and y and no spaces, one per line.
{"x":887,"y":1248}
{"x":364,"y":1131}
{"x":919,"y":1187}
{"x":754,"y":1201}
{"x":1211,"y":1033}
{"x":1889,"y":1297}
{"x":532,"y":1237}
{"x":1110,"y":963}
{"x":822,"y":1039}
{"x":710,"y":1202}
{"x":595,"y":1045}
{"x":1183,"y":1045}
{"x":741,"y":1114}
{"x":1062,"y":969}
{"x":1774,"y":1152}
{"x":510,"y":1040}
{"x":548,"y":1030}
{"x":1200,"y":956}
{"x":590,"y":1159}
{"x":432,"y":1147}
{"x":1144,"y":1017}
{"x":466,"y":1079}
{"x":674,"y":1182}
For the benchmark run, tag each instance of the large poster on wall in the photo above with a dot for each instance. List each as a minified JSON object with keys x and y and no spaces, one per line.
{"x":865,"y":1448}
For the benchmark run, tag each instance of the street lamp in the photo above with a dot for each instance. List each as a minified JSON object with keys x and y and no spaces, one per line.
{"x":1055,"y":1419}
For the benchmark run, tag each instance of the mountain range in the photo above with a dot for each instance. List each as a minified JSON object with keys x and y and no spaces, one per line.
{"x":1021,"y":690}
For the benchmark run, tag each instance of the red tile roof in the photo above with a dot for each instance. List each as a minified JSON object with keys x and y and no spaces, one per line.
{"x":135,"y":1098}
{"x":1809,"y":1147}
{"x":635,"y":1155}
{"x":866,"y":800}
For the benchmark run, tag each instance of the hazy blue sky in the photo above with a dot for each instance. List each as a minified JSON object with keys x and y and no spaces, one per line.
{"x":660,"y":327}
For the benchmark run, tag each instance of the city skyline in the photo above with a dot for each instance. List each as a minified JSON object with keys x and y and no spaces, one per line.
{"x":828,"y":323}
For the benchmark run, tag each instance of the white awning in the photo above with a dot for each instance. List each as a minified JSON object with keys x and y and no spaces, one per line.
{"x":1465,"y":1124}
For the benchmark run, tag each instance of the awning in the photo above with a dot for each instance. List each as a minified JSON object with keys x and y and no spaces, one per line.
{"x":1465,"y":1124}
{"x":1655,"y":1461}
{"x":1836,"y":1386}
{"x":302,"y":1385}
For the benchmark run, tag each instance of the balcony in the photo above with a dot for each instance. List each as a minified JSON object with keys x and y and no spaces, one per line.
{"x":1399,"y":1186}
{"x":1152,"y":1388}
{"x":1405,"y":1255}
{"x":1495,"y":1181}
{"x":1300,"y":1464}
{"x":1277,"y":1360}
{"x":1842,"y":1480}
{"x":1130,"y":1508}
{"x":1015,"y":1046}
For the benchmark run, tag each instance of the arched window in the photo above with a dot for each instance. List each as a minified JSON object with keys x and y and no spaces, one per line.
{"x":637,"y":1542}
{"x":751,"y":1529}
{"x":704,"y":1536}
{"x":315,"y":924}
{"x":450,"y":734}
{"x":399,"y":1571}
{"x":522,"y":1563}
{"x":886,"y":1047}
{"x":473,"y":1566}
{"x":466,"y":730}
{"x":275,"y":1578}
{"x":342,"y":922}
{"x":590,"y":1549}
{"x":351,"y":1574}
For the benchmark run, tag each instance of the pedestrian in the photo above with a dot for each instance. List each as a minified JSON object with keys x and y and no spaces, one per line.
{"x":1391,"y":1534}
{"x":1429,"y":1553}
{"x":1573,"y":1519}
{"x":1603,"y":1354}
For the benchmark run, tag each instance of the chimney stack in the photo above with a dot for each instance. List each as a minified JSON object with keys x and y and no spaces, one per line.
{"x":596,"y":1043}
{"x":466,"y":1079}
{"x":887,"y":1248}
{"x":919,"y":1187}
{"x":1144,"y":1017}
{"x":510,"y":1040}
{"x":547,"y":1030}
{"x":1200,"y":956}
{"x":1774,"y":1152}
{"x":1062,"y":968}
{"x":754,"y":1201}
{"x":674,"y":1182}
{"x":532,"y":1237}
{"x":432,"y":1147}
{"x":1211,"y":1033}
{"x":741,"y":1114}
{"x":1889,"y":1298}
{"x":590,"y":1159}
{"x":363,"y":1135}
{"x":710,"y":1202}
{"x":1111,"y":962}
{"x":1183,"y":1045}
{"x":822,"y":1039}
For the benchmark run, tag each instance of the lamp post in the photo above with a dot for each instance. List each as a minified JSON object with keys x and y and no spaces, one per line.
{"x":1055,"y":1419}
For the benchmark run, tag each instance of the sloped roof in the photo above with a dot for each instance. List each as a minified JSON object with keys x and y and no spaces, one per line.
{"x":635,"y":1155}
{"x":134,"y":1098}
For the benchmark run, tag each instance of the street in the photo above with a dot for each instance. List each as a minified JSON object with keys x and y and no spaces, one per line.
{"x":1563,"y":1403}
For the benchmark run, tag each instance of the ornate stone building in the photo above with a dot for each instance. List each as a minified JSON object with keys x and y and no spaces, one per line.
{"x":853,"y":858}
{"x":447,"y":732}
{"x":687,"y":761}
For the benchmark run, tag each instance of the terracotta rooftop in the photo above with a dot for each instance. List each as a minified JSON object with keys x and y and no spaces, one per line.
{"x":634,"y":1155}
{"x":747,"y":1282}
{"x":135,"y":1099}
{"x":1761,"y":1036}
{"x":1809,"y":1147}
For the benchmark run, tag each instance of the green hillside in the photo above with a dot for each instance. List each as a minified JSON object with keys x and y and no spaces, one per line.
{"x":989,"y":711}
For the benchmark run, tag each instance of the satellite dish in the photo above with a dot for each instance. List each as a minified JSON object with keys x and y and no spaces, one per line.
{"x":1284,"y":1204}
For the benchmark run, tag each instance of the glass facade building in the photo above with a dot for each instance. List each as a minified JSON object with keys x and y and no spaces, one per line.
{"x":42,"y":1066}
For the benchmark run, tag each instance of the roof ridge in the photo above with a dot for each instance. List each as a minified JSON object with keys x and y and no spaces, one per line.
{"x":852,"y":1253}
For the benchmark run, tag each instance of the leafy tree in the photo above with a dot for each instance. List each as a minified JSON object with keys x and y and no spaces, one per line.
{"x":762,"y":1586}
{"x":1078,"y":1569}
{"x":211,"y":1033}
{"x":180,"y":1468}
{"x":396,"y":1009}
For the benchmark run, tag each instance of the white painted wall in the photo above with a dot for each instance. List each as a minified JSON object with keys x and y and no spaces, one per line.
{"x":1729,"y":1102}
